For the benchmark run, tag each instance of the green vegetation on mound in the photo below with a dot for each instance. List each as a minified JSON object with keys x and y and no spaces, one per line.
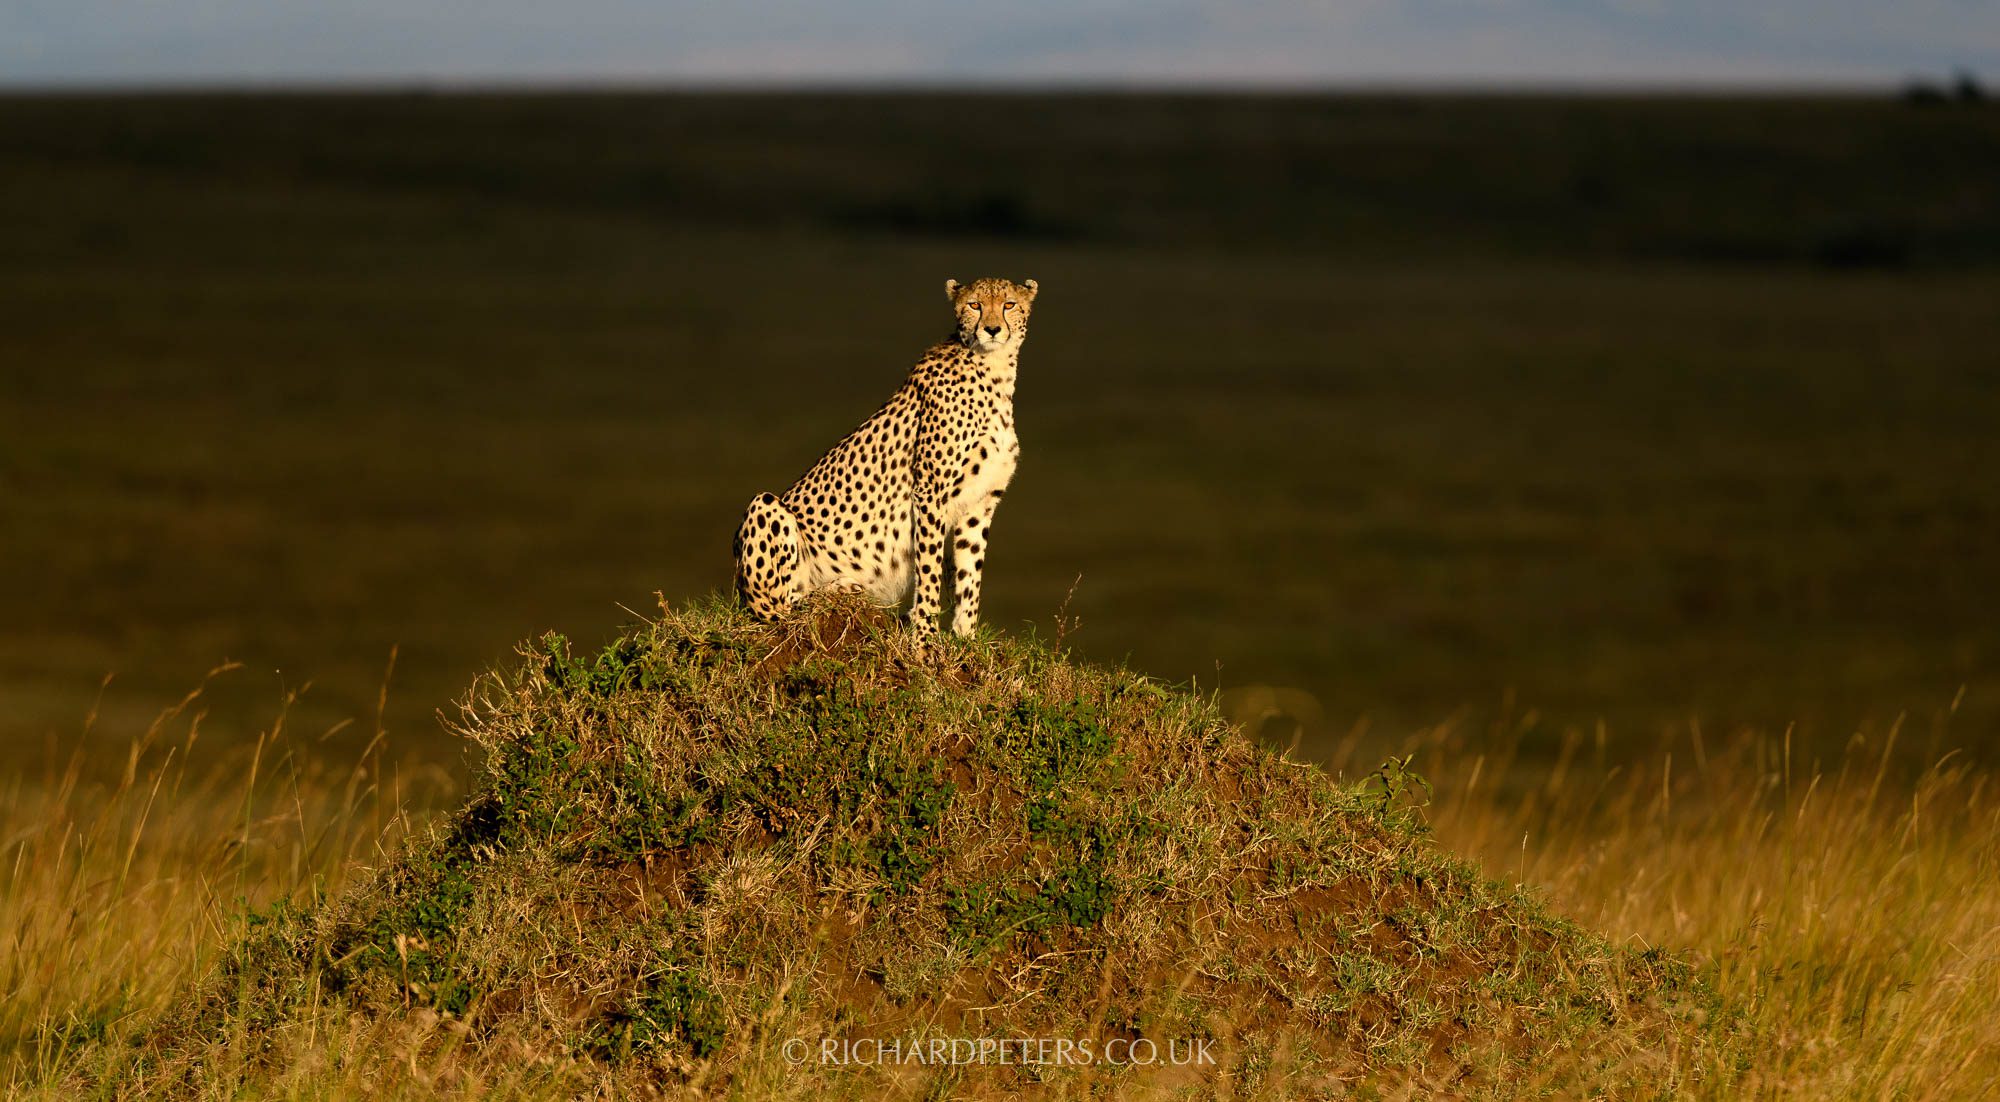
{"x":714,"y":839}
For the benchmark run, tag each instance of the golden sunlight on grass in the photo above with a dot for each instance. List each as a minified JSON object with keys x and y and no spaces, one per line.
{"x":1850,"y":915}
{"x":115,"y":895}
{"x":1843,"y":920}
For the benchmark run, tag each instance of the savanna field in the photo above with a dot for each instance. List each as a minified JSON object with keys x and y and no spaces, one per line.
{"x":1614,"y":469}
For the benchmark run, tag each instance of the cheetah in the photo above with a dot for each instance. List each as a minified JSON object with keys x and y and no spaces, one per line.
{"x":927,"y":471}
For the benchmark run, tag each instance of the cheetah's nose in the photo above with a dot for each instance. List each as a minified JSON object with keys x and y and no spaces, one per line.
{"x":992,"y":330}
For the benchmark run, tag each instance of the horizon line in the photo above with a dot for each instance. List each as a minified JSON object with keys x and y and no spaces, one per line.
{"x":585,"y":85}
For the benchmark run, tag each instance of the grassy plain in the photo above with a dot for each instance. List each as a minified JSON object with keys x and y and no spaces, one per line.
{"x":1645,"y":411}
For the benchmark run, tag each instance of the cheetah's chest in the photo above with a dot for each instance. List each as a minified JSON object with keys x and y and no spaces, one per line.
{"x":989,"y":464}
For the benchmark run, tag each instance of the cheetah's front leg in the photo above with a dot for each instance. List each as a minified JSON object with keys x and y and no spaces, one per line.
{"x":968,"y":565}
{"x":928,"y":590}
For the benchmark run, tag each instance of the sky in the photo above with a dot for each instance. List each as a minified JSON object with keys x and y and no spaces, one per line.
{"x":1035,"y":42}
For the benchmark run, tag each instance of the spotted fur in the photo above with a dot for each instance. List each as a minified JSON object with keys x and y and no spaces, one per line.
{"x":926,"y":472}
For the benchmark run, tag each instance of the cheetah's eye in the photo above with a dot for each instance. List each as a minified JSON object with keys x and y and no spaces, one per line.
{"x":1010,"y":306}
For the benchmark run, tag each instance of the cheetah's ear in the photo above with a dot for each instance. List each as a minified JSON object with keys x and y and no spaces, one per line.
{"x":951,"y":289}
{"x":1031,"y":287}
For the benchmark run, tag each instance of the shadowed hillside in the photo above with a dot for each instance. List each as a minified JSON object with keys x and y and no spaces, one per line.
{"x":713,"y":839}
{"x":1839,"y":181}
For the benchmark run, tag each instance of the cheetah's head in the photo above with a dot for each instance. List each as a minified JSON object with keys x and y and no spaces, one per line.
{"x":992,"y":313}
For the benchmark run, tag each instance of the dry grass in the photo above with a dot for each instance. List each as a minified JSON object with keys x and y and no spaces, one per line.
{"x":1844,"y":920}
{"x":1852,"y":914}
{"x":114,"y":894}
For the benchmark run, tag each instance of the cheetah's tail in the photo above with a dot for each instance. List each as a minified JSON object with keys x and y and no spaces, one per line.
{"x":767,"y":558}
